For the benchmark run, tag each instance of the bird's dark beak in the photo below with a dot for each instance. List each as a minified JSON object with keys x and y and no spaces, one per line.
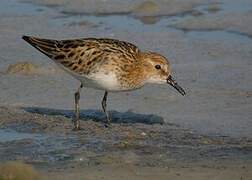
{"x":174,"y":84}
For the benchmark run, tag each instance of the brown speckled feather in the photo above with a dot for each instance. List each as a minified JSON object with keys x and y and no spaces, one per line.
{"x":84,"y":55}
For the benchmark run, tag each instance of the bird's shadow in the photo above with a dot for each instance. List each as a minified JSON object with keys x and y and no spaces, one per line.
{"x":96,"y":115}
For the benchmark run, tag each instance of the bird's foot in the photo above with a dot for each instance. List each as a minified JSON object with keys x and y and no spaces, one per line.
{"x":76,"y":125}
{"x":107,"y":123}
{"x":76,"y":128}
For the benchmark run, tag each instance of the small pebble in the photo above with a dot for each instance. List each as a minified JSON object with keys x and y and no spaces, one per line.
{"x":143,"y":134}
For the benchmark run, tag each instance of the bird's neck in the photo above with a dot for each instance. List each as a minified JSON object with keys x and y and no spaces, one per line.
{"x":139,"y":73}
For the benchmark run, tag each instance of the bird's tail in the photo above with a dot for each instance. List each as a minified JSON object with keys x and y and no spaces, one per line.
{"x":46,"y":46}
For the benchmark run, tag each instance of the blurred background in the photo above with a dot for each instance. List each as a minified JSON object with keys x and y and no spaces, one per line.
{"x":208,"y":42}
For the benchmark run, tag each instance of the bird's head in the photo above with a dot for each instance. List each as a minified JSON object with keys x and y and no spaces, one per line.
{"x":158,"y":70}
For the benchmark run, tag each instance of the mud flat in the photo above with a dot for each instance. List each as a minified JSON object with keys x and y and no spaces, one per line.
{"x":221,"y":20}
{"x":127,"y":7}
{"x":44,"y":138}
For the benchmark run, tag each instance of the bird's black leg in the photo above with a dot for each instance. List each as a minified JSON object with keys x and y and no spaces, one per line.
{"x":76,"y":120}
{"x":104,"y":107}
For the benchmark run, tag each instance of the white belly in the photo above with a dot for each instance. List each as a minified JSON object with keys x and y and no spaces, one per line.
{"x":98,"y":80}
{"x":101,"y":81}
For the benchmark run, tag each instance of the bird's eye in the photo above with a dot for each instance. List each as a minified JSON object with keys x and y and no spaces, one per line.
{"x":158,"y":66}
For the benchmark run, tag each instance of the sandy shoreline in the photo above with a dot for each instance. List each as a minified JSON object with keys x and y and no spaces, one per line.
{"x":135,"y":150}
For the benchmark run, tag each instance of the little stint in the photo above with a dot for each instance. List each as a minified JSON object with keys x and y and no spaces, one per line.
{"x":106,"y":64}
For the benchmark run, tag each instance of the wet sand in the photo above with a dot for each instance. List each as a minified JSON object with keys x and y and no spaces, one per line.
{"x":156,"y":132}
{"x":147,"y":150}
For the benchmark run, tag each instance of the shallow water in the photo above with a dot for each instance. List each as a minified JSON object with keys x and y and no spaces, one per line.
{"x":225,"y":36}
{"x":7,"y":135}
{"x":132,"y":23}
{"x":14,"y":7}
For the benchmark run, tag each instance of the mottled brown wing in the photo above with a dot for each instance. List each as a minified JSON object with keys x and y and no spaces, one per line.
{"x":80,"y":55}
{"x":117,"y":45}
{"x":53,"y":48}
{"x":69,"y":53}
